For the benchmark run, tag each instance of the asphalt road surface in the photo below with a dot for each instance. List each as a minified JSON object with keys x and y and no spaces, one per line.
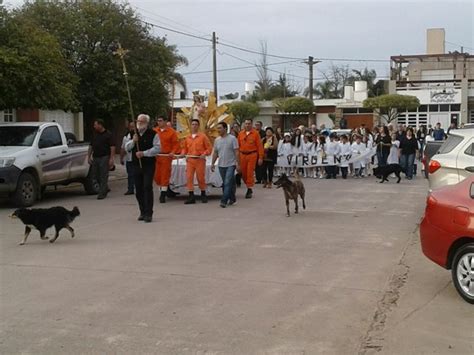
{"x":345,"y":276}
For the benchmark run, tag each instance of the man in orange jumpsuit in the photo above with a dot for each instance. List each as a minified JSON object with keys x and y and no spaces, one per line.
{"x":197,"y":146}
{"x":169,"y":146}
{"x":251,"y":153}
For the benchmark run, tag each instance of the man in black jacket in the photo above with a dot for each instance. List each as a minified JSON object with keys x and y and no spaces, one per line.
{"x":145,"y":146}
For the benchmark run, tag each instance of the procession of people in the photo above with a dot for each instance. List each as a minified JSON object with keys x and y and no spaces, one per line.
{"x":252,"y":153}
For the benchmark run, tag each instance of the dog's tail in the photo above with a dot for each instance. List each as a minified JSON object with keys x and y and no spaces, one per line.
{"x":75,"y":212}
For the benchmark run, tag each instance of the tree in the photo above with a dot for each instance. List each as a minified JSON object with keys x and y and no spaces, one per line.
{"x":34,"y":72}
{"x":333,"y":85}
{"x":243,"y":110}
{"x":369,"y":76}
{"x":282,"y":88}
{"x":389,"y":105}
{"x":88,"y":32}
{"x":295,"y":105}
{"x":264,"y":82}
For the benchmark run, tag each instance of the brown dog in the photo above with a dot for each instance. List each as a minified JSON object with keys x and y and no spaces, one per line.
{"x":291,"y":189}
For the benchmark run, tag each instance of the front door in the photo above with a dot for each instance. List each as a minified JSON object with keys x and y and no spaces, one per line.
{"x":53,"y":155}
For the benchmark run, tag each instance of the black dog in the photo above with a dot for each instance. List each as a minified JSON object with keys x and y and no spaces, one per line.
{"x":382,"y":172}
{"x":44,"y":218}
{"x":291,"y":190}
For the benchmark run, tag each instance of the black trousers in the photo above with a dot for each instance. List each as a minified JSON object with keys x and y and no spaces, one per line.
{"x":344,"y":170}
{"x":259,"y":173}
{"x":330,"y":171}
{"x":143,"y":178}
{"x":268,"y":167}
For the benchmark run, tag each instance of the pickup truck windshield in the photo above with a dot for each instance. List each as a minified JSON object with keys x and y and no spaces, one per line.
{"x":22,"y":136}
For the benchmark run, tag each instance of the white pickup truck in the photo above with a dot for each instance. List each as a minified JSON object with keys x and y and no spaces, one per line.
{"x":34,"y":155}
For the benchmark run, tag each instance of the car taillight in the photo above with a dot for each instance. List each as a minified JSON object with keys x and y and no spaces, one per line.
{"x":434,"y":166}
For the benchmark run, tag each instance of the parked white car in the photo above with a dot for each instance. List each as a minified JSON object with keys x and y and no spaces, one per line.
{"x":34,"y":155}
{"x":454,"y":161}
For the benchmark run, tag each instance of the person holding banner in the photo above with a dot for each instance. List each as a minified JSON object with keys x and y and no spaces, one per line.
{"x":285,"y":150}
{"x":332,"y":149}
{"x":344,"y":150}
{"x":196,"y":147}
{"x":251,"y":154}
{"x":358,"y":148}
{"x":169,"y":147}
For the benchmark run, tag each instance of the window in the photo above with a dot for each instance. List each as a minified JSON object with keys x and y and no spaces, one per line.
{"x":402,"y":118}
{"x":434,"y":108}
{"x":450,"y":143}
{"x":456,"y":107}
{"x":50,"y":138}
{"x":422,"y":119}
{"x":365,"y":110}
{"x":422,"y":108}
{"x":8,"y":116}
{"x":471,"y":118}
{"x":470,"y":150}
{"x":444,"y":108}
{"x":350,"y":110}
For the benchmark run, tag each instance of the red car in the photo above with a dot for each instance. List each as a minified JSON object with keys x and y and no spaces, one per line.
{"x":447,"y":233}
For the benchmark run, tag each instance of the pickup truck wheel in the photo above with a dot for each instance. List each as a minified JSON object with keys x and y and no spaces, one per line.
{"x":26,"y":191}
{"x":91,"y":186}
{"x":463,"y":272}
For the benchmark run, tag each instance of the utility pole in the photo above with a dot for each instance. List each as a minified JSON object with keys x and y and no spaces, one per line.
{"x":311,"y":119}
{"x":214,"y":64}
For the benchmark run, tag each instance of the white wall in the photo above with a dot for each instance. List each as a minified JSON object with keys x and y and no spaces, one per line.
{"x":323,"y":118}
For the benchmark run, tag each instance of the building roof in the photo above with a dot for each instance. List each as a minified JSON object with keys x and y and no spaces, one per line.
{"x":407,"y":58}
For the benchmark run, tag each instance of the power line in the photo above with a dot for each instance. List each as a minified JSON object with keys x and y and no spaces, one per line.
{"x":176,"y":31}
{"x":167,"y":19}
{"x":257,"y":52}
{"x":458,"y":45}
{"x":257,"y":66}
{"x":233,"y":68}
{"x":202,"y":61}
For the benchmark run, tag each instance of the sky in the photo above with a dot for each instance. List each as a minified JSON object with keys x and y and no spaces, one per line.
{"x":331,"y":30}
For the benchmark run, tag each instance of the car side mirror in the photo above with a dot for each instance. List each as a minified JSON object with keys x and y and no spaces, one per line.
{"x":472,"y":190}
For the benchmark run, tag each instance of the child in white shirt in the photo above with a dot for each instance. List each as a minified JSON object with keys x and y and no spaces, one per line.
{"x":344,"y":150}
{"x":358,"y":148}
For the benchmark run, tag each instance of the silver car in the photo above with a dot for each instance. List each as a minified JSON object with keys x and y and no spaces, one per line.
{"x":454,"y":161}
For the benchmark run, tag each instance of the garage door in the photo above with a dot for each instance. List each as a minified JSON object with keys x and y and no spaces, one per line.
{"x":65,"y":119}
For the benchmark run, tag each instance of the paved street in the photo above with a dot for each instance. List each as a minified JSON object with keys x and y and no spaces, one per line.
{"x":346,"y":276}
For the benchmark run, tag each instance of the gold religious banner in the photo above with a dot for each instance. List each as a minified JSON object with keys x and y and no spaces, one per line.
{"x":208,"y":116}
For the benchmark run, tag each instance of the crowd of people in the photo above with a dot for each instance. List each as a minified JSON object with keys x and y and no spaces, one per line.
{"x":250,"y":154}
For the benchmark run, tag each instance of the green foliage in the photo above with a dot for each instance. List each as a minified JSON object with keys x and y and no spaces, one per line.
{"x":34,"y":73}
{"x":294,"y":105}
{"x":243,"y":110}
{"x":88,"y":32}
{"x":389,"y":105}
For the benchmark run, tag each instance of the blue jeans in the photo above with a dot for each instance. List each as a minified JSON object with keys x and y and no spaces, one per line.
{"x":228,"y":183}
{"x":131,"y":182}
{"x":407,"y":161}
